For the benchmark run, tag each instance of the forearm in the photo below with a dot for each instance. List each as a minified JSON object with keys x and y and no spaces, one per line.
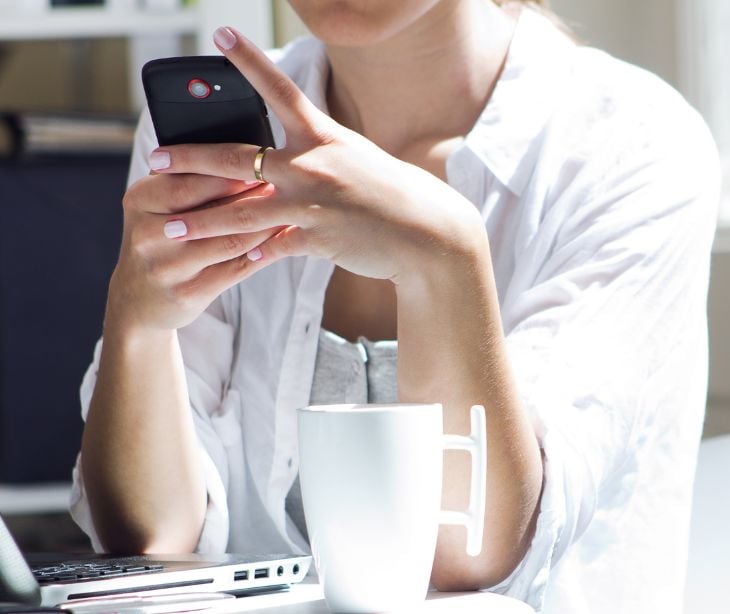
{"x":140,"y":460}
{"x":451,"y":350}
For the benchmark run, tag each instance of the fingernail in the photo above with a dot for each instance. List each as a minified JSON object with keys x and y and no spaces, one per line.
{"x":248,"y":183}
{"x":255,"y":254}
{"x":159,"y":160}
{"x":175,"y":229}
{"x":225,"y":38}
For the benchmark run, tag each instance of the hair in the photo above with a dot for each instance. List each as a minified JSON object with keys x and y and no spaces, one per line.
{"x":543,"y":7}
{"x":542,"y":3}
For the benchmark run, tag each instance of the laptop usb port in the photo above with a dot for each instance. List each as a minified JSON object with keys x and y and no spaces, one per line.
{"x":261,"y":573}
{"x":240,"y":575}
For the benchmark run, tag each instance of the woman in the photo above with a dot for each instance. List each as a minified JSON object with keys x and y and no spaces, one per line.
{"x":529,"y":219}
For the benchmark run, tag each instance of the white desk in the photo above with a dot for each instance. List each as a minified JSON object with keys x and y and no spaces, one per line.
{"x":307,"y":598}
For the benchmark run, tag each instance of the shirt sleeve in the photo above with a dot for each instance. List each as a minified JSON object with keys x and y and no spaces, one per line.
{"x":207,"y":374}
{"x":597,"y":308}
{"x":145,"y":142}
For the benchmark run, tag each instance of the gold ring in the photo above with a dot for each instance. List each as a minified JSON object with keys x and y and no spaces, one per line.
{"x":258,"y":162}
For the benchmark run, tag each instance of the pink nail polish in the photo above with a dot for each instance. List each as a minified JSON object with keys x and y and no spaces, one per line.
{"x":224,"y":38}
{"x":175,"y":229}
{"x":159,"y":160}
{"x":255,"y":254}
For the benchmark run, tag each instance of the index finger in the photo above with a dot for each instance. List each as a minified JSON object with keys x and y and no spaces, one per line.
{"x":286,"y":100}
{"x":175,"y":193}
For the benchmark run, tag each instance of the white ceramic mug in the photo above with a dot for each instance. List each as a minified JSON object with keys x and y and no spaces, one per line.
{"x":371,"y":479}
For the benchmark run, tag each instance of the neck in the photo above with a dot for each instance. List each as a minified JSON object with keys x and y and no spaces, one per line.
{"x":429,"y":82}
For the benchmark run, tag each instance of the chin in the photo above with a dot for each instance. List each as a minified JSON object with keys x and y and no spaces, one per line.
{"x":359,"y":23}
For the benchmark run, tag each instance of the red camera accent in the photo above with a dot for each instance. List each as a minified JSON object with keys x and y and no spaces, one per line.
{"x":198,"y":88}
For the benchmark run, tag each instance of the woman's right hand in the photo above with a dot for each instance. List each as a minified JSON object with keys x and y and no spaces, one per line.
{"x":162,"y":284}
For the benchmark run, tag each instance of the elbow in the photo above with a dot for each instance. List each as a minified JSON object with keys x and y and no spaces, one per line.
{"x":126,"y":545}
{"x":128,"y":541}
{"x":454,"y":571}
{"x":122,"y":532}
{"x":127,"y":526}
{"x":469,"y":576}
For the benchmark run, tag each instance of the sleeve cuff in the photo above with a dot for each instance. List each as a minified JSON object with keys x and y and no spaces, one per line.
{"x":214,"y":536}
{"x":79,"y":507}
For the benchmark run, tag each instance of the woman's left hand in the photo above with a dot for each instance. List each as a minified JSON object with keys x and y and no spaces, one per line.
{"x":337,"y":195}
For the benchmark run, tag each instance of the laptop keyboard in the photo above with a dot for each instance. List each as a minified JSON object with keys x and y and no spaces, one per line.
{"x":84,"y":571}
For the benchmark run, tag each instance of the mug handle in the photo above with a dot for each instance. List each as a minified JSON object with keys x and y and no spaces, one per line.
{"x":473,"y":517}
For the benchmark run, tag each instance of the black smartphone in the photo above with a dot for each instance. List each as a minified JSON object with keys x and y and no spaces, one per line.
{"x":204,"y":99}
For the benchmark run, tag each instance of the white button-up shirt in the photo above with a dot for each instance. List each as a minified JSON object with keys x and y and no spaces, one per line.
{"x":598,"y":187}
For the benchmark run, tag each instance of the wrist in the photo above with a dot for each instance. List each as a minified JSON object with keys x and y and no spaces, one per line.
{"x":444,"y":232}
{"x":123,"y":321}
{"x":453,"y":255}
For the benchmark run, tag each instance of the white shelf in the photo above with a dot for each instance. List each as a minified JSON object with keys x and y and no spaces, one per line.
{"x":151,"y":33}
{"x":65,"y":23}
{"x":34,"y":499}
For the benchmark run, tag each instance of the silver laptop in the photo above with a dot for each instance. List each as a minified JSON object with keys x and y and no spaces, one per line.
{"x":47,"y":580}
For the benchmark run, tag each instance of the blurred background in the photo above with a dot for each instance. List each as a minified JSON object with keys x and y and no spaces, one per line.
{"x":60,"y":208}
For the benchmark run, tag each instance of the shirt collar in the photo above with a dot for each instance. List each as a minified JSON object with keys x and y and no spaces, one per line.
{"x":524,"y":97}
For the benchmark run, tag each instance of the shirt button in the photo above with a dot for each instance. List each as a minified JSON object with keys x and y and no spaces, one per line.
{"x":306,"y":327}
{"x":289,"y":463}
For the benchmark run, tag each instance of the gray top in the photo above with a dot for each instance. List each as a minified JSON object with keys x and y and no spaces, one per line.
{"x":345,"y":372}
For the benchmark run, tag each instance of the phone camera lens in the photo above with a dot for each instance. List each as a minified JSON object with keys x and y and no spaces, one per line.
{"x":198,"y":88}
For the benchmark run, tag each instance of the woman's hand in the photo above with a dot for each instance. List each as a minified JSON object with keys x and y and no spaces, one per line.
{"x":163,"y":284}
{"x":333,"y":193}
